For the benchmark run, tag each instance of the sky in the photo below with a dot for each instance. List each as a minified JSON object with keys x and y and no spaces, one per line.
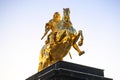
{"x":22,"y":25}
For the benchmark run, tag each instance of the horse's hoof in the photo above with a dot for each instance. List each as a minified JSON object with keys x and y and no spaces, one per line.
{"x":80,"y":43}
{"x":82,"y":52}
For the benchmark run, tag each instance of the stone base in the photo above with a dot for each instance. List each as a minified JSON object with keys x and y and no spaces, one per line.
{"x":62,"y":70}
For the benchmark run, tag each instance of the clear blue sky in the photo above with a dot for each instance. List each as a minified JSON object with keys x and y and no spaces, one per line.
{"x":22,"y":25}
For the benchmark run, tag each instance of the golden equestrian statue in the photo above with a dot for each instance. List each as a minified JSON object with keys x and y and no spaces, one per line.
{"x":60,"y":40}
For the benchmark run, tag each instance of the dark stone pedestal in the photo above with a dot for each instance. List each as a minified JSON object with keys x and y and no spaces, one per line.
{"x":69,"y":71}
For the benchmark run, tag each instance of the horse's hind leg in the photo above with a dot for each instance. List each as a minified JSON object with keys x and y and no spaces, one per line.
{"x":40,"y":67}
{"x":46,"y":62}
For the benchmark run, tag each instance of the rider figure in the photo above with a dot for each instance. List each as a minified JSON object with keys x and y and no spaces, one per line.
{"x":53,"y":25}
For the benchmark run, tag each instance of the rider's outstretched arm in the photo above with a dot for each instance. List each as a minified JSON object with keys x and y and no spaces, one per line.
{"x":46,"y":30}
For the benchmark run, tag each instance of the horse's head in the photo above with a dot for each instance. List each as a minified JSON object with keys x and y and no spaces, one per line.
{"x":66,"y":14}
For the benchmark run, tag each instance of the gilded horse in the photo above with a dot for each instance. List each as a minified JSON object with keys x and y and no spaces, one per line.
{"x":65,"y":38}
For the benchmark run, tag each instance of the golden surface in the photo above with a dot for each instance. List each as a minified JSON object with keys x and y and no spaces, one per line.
{"x":60,"y":40}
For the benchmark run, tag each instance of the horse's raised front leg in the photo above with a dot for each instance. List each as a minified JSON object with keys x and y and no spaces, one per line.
{"x":75,"y":46}
{"x":81,"y":38}
{"x":76,"y":37}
